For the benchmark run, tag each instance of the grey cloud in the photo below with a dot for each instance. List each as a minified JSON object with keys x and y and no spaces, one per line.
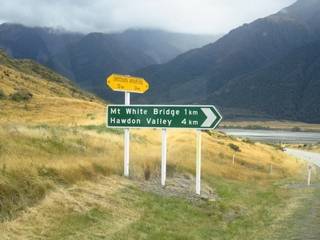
{"x":193,"y":16}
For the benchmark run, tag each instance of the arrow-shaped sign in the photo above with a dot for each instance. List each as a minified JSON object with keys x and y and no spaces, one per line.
{"x":211,"y":117}
{"x":123,"y":83}
{"x":155,"y":116}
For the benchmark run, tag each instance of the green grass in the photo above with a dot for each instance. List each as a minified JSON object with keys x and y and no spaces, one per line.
{"x":241,"y":211}
{"x":80,"y":224}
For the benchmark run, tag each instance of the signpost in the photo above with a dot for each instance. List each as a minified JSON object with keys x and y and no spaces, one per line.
{"x":128,"y":116}
{"x":309,"y":174}
{"x":127,"y":84}
{"x":155,"y":116}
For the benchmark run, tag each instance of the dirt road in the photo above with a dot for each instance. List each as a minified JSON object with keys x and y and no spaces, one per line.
{"x":304,"y":223}
{"x":310,"y":157}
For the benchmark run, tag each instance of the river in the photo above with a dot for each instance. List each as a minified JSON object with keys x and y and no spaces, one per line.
{"x":275,"y":136}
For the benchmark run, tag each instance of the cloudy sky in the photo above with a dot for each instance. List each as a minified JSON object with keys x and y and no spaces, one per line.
{"x":191,"y":16}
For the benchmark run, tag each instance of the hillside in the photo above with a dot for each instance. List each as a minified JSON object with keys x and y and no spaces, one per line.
{"x":294,"y":81}
{"x":88,"y":58}
{"x":31,"y":93}
{"x":240,"y":71}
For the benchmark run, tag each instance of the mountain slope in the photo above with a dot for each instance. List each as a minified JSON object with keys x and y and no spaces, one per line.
{"x":288,"y":88}
{"x":32,"y":93}
{"x":201,"y":74}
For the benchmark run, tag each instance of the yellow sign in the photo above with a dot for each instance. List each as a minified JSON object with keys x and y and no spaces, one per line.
{"x":123,"y":83}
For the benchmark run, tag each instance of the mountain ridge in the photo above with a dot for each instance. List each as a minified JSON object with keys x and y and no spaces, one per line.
{"x":88,"y":58}
{"x":201,"y":75}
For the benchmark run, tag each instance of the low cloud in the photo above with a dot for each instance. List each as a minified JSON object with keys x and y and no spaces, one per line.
{"x":191,"y":16}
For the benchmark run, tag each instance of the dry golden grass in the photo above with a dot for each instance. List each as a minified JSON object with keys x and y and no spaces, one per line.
{"x":67,"y":149}
{"x":316,"y":148}
{"x":52,"y":102}
{"x":46,"y":219}
{"x":52,"y":110}
{"x":306,"y":147}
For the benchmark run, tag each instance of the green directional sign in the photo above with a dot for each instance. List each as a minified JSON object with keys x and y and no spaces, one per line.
{"x":154,"y":116}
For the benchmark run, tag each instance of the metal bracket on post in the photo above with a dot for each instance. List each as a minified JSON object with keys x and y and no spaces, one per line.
{"x":164,"y":157}
{"x":126,"y":141}
{"x":198,"y":163}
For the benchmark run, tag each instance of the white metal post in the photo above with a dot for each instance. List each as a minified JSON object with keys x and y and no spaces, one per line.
{"x":198,"y":163}
{"x":126,"y":141}
{"x":233,"y":158}
{"x":309,"y":175}
{"x":164,"y":157}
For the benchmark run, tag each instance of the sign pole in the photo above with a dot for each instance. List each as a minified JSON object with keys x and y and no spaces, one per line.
{"x":198,"y":163}
{"x":309,"y":175}
{"x":164,"y":157}
{"x":126,"y":141}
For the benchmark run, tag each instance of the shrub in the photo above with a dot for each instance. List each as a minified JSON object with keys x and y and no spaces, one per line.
{"x":234,"y":147}
{"x":246,"y":140}
{"x":2,"y":95}
{"x":21,"y":95}
{"x":147,"y":173}
{"x":296,"y":129}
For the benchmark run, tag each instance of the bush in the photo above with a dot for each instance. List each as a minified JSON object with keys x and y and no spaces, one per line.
{"x":234,"y":147}
{"x":296,"y":129}
{"x":147,"y":173}
{"x":246,"y":140}
{"x":2,"y":95}
{"x":21,"y":95}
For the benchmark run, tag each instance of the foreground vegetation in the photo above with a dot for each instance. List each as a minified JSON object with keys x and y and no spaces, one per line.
{"x":65,"y":183}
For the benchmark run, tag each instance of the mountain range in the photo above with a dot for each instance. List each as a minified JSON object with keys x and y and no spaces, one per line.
{"x":268,"y":68}
{"x":88,"y":58}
